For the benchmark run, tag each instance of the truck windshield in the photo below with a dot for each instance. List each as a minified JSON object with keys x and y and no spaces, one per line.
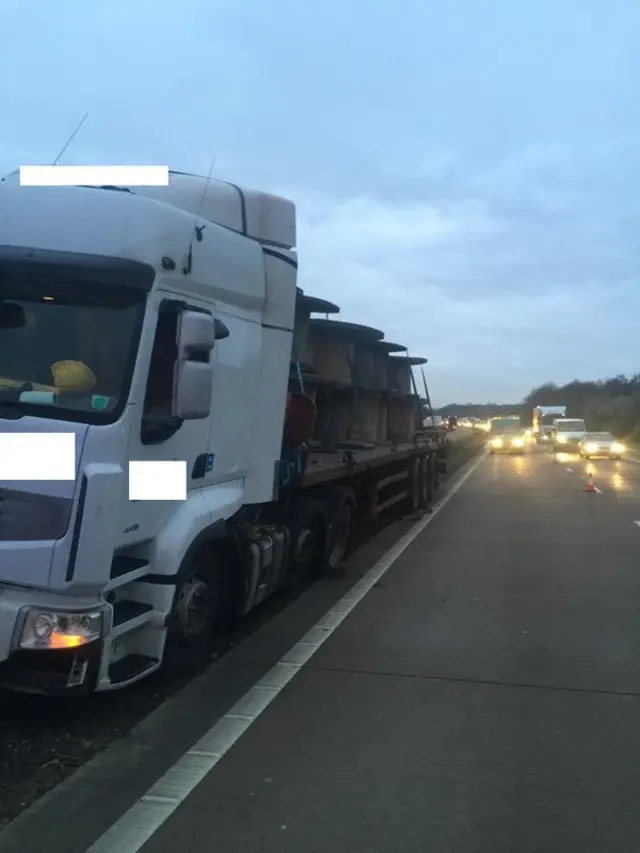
{"x":570,"y":426}
{"x":549,"y":419}
{"x":67,"y":348}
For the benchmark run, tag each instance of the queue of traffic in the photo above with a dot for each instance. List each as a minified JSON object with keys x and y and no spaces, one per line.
{"x":563,"y":435}
{"x":551,"y":428}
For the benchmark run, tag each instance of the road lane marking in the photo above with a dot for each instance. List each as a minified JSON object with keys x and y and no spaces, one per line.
{"x":637,"y":523}
{"x":570,"y":470}
{"x":136,"y":826}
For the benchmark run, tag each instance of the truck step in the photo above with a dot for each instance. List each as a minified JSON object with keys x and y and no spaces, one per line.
{"x":130,"y":667}
{"x":128,"y":615}
{"x":125,"y":569}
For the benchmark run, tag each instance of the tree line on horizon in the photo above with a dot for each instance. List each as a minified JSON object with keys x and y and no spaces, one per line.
{"x":605,"y":404}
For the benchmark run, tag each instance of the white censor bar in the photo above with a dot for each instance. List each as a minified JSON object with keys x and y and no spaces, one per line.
{"x":94,"y":176}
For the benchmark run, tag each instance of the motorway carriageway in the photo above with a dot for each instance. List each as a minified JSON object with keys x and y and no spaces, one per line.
{"x":477,"y":691}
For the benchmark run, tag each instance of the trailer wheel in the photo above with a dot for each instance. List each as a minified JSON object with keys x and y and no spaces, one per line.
{"x":414,"y":486}
{"x":426,"y":481}
{"x":437,"y":472}
{"x":340,"y":522}
{"x":442,"y":464}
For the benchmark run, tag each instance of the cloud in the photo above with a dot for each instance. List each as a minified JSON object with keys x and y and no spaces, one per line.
{"x":518,"y":277}
{"x":468,"y":185}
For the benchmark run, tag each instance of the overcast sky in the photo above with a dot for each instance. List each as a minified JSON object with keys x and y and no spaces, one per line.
{"x":467,"y":173}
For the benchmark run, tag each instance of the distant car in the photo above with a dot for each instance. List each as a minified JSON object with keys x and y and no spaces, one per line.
{"x":507,"y":441}
{"x":600,"y":445}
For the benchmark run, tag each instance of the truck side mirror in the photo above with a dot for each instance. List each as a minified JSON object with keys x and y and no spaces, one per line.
{"x":221,"y":331}
{"x":193,"y":385}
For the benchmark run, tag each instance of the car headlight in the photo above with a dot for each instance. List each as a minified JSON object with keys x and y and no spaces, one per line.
{"x":545,"y":437}
{"x":49,"y":629}
{"x":496,"y":442}
{"x":591,"y":448}
{"x":616,"y":447}
{"x":517,"y":442}
{"x":562,"y":439}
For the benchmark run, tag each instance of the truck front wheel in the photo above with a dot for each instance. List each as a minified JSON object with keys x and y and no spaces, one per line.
{"x":308,"y":532}
{"x":192,"y":621}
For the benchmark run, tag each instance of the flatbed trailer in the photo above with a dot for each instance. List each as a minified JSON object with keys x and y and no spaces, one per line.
{"x":387,"y":474}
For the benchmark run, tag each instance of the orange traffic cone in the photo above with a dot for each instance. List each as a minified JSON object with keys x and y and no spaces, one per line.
{"x":590,"y":486}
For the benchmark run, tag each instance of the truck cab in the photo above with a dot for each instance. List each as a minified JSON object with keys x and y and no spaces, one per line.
{"x":543,"y":420}
{"x":154,"y":325}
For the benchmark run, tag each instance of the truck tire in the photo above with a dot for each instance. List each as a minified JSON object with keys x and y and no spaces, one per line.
{"x":340,"y":503}
{"x":414,"y":486}
{"x":437,"y":471}
{"x":308,"y":531}
{"x":427,"y":473}
{"x":194,"y":616}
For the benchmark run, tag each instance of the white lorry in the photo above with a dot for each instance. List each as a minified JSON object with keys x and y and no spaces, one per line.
{"x":543,"y":418}
{"x":160,"y":324}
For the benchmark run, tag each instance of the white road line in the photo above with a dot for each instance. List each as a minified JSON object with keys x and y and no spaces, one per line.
{"x":142,"y":820}
{"x":570,"y":470}
{"x":637,"y":523}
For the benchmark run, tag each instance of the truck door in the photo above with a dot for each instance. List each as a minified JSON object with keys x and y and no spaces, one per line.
{"x":157,"y":436}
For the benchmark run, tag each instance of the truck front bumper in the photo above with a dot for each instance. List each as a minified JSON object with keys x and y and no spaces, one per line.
{"x":49,"y":671}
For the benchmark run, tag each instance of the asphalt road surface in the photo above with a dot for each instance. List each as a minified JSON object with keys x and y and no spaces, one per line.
{"x":482,"y":697}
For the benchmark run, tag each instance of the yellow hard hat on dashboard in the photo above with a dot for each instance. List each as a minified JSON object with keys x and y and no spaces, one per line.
{"x":72,"y":376}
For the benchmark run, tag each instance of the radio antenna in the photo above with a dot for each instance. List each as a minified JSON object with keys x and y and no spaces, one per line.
{"x":198,"y":231}
{"x":70,"y":139}
{"x":206,"y":187}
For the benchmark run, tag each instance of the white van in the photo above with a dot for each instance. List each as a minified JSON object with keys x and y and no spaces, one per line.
{"x":568,"y":433}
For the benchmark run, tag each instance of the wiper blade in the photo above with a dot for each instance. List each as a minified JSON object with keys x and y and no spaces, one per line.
{"x":11,"y":410}
{"x":12,"y":393}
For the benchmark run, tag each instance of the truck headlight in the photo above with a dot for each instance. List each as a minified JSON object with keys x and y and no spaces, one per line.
{"x":50,"y":629}
{"x":562,"y":439}
{"x":517,"y":442}
{"x":496,"y":442}
{"x":617,"y":447}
